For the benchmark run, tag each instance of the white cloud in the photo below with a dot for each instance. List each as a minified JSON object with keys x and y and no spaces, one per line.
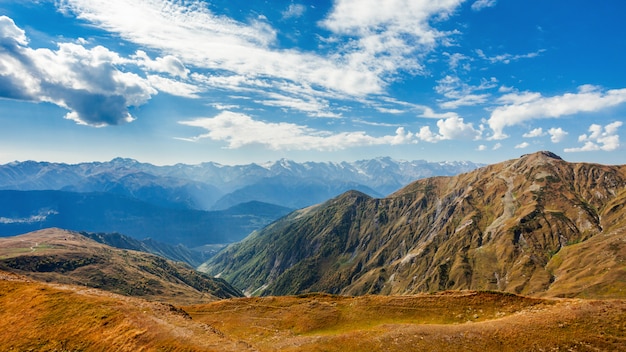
{"x":239,"y":130}
{"x":168,"y":64}
{"x":537,"y":132}
{"x":529,"y":106}
{"x":294,"y":11}
{"x":430,"y":114}
{"x":174,"y":87}
{"x":455,"y":61}
{"x":452,"y":128}
{"x":87,"y":82}
{"x":481,"y":148}
{"x":312,"y":106}
{"x":10,"y":33}
{"x":557,"y":135}
{"x":508,"y":58}
{"x":482,"y":4}
{"x":522,"y":145}
{"x":461,"y":93}
{"x":599,"y":138}
{"x":373,"y":43}
{"x":497,"y":146}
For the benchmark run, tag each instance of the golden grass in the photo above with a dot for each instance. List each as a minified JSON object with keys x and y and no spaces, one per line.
{"x":43,"y":317}
{"x":469,"y":321}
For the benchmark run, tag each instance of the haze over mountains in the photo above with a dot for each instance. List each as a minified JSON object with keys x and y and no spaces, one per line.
{"x":193,"y":205}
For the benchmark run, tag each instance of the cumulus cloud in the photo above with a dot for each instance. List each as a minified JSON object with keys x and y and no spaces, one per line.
{"x":452,"y":128}
{"x":599,"y":138}
{"x":557,"y":135}
{"x":481,"y":148}
{"x":522,"y":145}
{"x":87,"y":82}
{"x":168,"y":64}
{"x":239,"y":130}
{"x":527,"y":106}
{"x":537,"y":132}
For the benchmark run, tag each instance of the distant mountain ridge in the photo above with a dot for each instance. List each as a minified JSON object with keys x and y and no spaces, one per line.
{"x":25,"y":211}
{"x":534,"y":225}
{"x":202,"y":186}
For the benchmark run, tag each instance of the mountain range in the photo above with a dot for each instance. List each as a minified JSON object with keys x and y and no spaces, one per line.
{"x":192,"y":205}
{"x":211,"y":185}
{"x":534,"y":225}
{"x":25,"y":211}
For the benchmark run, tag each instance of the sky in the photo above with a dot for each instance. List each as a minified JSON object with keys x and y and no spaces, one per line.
{"x":237,"y":82}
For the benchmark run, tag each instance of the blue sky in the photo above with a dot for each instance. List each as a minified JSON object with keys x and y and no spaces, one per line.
{"x":251,"y":81}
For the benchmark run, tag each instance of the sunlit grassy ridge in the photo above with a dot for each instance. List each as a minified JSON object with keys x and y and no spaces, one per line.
{"x":48,"y":317}
{"x":67,"y":257}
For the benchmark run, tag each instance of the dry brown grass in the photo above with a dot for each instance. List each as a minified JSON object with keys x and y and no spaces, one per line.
{"x":45,"y":317}
{"x":468,"y":321}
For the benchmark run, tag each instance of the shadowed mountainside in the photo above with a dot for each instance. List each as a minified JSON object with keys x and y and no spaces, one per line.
{"x":534,"y":225}
{"x":66,"y":257}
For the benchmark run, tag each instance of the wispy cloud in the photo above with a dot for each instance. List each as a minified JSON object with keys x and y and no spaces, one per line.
{"x":599,"y":138}
{"x":374,"y":44}
{"x":522,"y":145}
{"x":482,"y":4}
{"x":460,"y":93}
{"x":508,"y":58}
{"x":294,"y":11}
{"x":529,"y":106}
{"x":239,"y":130}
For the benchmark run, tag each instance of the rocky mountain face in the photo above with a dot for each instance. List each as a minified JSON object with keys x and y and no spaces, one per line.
{"x":534,"y":225}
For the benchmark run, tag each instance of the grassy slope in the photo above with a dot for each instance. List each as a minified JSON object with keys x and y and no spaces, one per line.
{"x":453,"y":321}
{"x":45,"y":317}
{"x":66,"y":257}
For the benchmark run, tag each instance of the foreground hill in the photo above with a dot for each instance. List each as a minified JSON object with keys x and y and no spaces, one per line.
{"x":44,"y":317}
{"x":535,"y":225}
{"x":25,"y":211}
{"x":66,"y":257}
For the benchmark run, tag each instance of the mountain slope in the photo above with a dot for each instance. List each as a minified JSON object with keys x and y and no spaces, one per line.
{"x":66,"y":257}
{"x":177,"y":253}
{"x":495,"y":228}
